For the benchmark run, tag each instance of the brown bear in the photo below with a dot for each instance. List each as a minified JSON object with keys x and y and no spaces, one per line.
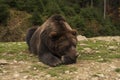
{"x":54,"y":41}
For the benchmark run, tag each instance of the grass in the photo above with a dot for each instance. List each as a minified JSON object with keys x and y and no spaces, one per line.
{"x":101,"y":53}
{"x":19,"y":51}
{"x":100,"y":50}
{"x":117,"y":70}
{"x":15,"y":51}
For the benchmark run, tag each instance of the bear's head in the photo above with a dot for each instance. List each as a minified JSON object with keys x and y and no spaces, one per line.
{"x":61,"y":39}
{"x":64,"y":46}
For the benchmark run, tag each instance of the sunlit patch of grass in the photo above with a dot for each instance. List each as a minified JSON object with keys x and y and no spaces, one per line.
{"x":15,"y":51}
{"x":117,"y":70}
{"x":102,"y":60}
{"x":12,"y":47}
{"x":100,"y":49}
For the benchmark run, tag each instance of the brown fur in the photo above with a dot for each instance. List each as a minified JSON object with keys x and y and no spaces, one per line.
{"x":54,"y":42}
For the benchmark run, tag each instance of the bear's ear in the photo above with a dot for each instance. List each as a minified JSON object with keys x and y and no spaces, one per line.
{"x":74,"y":32}
{"x":53,"y":35}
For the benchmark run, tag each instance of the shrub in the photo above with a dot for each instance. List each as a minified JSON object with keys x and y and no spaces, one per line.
{"x":36,"y":18}
{"x":4,"y":14}
{"x":77,"y":22}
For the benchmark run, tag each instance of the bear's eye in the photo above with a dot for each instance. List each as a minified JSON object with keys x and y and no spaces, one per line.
{"x":74,"y":32}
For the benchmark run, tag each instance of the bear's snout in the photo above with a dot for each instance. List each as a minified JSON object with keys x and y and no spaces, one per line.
{"x":68,"y":60}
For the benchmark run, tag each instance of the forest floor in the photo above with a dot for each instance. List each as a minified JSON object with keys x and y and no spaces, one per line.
{"x":99,"y":60}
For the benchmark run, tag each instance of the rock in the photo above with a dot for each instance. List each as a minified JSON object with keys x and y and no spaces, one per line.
{"x":48,"y":76}
{"x":4,"y":71}
{"x":82,"y":44}
{"x":26,"y":77}
{"x":81,"y":38}
{"x":113,"y":67}
{"x":106,"y":38}
{"x":100,"y":75}
{"x":21,"y":62}
{"x":97,"y":52}
{"x":16,"y":74}
{"x":67,"y":72}
{"x":3,"y":62}
{"x":34,"y":68}
{"x":88,"y":50}
{"x":15,"y":61}
{"x":112,"y":48}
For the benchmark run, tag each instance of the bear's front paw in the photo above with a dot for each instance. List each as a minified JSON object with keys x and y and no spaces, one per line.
{"x":56,"y":62}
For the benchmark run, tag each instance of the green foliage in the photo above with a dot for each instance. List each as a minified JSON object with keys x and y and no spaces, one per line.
{"x":4,"y":14}
{"x":69,"y":11}
{"x":36,"y":18}
{"x":86,"y":17}
{"x":52,"y":8}
{"x":117,"y":70}
{"x":77,"y":22}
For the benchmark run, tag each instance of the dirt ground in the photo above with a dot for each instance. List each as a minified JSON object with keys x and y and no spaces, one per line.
{"x":84,"y":69}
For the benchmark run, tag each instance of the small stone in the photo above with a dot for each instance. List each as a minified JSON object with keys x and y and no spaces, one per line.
{"x":25,"y":77}
{"x":15,"y":61}
{"x":67,"y":72}
{"x":35,"y":68}
{"x":97,"y":51}
{"x":3,"y":62}
{"x":100,"y":57}
{"x":112,"y":47}
{"x":88,"y":50}
{"x":19,"y":44}
{"x":82,"y":44}
{"x":81,"y":38}
{"x":101,"y":75}
{"x":48,"y":76}
{"x":76,"y":72}
{"x":113,"y":67}
{"x":21,"y":62}
{"x":4,"y":71}
{"x":16,"y":75}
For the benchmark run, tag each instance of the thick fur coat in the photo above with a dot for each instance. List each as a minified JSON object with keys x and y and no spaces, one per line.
{"x":54,"y":41}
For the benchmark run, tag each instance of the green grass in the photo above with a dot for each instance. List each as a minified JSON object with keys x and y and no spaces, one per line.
{"x":117,"y":70}
{"x":103,"y":54}
{"x":12,"y":47}
{"x":15,"y":51}
{"x":18,"y":51}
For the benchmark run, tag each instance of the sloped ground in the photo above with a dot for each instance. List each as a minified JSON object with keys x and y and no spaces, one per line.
{"x":17,"y":26}
{"x":98,"y":60}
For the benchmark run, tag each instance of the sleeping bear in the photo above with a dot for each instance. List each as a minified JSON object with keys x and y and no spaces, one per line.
{"x":54,"y":41}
